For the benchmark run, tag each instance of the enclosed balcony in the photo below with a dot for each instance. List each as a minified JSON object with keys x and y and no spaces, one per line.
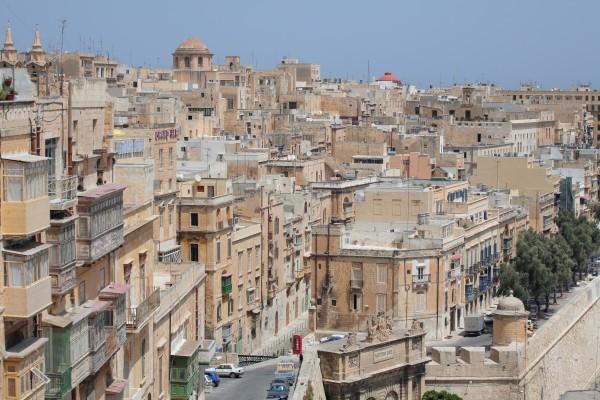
{"x":25,"y":206}
{"x":139,"y":315}
{"x":100,"y":222}
{"x":68,"y":360}
{"x":23,"y":370}
{"x":97,"y":333}
{"x":185,"y":370}
{"x":27,"y":284}
{"x":469,"y":295}
{"x":115,"y":316}
{"x":62,"y":192}
{"x":62,"y":254}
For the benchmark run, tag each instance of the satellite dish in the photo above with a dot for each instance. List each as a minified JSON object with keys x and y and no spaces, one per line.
{"x":309,"y":153}
{"x":198,"y":178}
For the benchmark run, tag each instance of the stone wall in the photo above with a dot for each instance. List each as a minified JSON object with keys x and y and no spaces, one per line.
{"x":562,"y":355}
{"x":309,"y":379}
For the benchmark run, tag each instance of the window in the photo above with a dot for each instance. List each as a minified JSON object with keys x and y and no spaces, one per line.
{"x":194,"y":252}
{"x":94,"y":123}
{"x":249,"y":253}
{"x":143,"y":353}
{"x":170,"y":155}
{"x":160,"y":158}
{"x":142,"y":280}
{"x":194,"y":219}
{"x":160,"y":374}
{"x":240,"y":263}
{"x":381,"y":273}
{"x":380,"y":303}
{"x":257,"y":255}
{"x":101,"y":279}
{"x":333,"y":302}
{"x":218,"y":312}
{"x":218,"y":255}
{"x":228,"y":247}
{"x":377,"y":206}
{"x":230,"y":307}
{"x":356,"y":302}
{"x":81,"y":293}
{"x":276,"y":226}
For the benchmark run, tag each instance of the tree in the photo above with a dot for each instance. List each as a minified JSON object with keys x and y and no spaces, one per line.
{"x":443,"y":395}
{"x":512,"y":281}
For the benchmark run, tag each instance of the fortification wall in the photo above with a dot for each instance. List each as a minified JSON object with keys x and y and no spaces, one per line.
{"x":564,"y":354}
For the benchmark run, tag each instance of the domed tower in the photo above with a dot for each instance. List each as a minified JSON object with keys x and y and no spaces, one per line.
{"x":510,"y":322}
{"x":192,"y":54}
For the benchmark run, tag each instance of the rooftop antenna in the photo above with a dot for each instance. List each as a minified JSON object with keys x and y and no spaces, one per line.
{"x":368,"y":71}
{"x":62,"y":36}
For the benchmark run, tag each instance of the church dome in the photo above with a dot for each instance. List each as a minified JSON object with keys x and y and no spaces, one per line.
{"x":192,"y":43}
{"x":388,"y":77}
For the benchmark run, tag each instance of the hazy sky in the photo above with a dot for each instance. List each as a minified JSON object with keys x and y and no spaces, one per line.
{"x":551,"y":42}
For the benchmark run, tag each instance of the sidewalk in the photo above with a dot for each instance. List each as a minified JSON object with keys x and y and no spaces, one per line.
{"x":281,"y":343}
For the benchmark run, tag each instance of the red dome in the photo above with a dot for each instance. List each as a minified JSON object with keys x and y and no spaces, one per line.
{"x":388,"y":77}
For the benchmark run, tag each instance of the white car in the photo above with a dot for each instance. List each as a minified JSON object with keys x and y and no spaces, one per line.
{"x":331,"y":338}
{"x":230,"y":370}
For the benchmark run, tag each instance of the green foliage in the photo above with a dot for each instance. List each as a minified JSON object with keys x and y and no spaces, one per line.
{"x":544,"y":264}
{"x":443,"y":395}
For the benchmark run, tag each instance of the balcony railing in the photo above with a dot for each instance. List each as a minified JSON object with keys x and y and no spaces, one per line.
{"x":62,"y":192}
{"x":137,"y":316}
{"x":59,"y":385}
{"x":356,"y":284}
{"x":63,"y":281}
{"x":469,"y":295}
{"x":484,"y":283}
{"x":423,"y":279}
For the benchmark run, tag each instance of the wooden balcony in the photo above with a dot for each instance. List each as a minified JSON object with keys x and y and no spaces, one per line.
{"x":101,"y":222}
{"x":27,"y":284}
{"x":25,"y":205}
{"x":23,"y":366}
{"x":184,"y":376}
{"x":62,"y":192}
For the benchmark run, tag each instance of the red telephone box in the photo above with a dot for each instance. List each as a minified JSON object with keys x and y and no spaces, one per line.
{"x":297,"y":344}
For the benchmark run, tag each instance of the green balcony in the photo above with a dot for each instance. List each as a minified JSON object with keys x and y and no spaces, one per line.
{"x":185,"y":370}
{"x":59,"y":385}
{"x":226,"y":285}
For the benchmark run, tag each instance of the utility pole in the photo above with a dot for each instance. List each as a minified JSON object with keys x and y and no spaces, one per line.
{"x":62,"y":36}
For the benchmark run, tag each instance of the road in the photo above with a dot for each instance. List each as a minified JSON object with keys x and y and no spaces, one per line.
{"x":252,"y":386}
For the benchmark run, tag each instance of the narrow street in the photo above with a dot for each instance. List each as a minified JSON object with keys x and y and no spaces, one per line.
{"x":252,"y":386}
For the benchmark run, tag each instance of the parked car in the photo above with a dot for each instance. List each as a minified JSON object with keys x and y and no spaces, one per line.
{"x":208,"y":381}
{"x":331,"y":338}
{"x":278,"y":389}
{"x":230,"y":370}
{"x":286,"y":371}
{"x":212,"y":375}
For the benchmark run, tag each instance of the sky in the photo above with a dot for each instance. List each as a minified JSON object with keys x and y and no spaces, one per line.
{"x":552,"y":43}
